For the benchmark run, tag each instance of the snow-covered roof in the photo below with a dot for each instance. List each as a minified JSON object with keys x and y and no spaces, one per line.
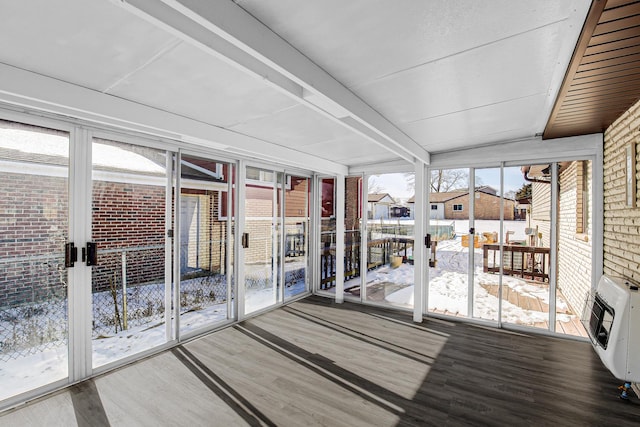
{"x":379,"y":197}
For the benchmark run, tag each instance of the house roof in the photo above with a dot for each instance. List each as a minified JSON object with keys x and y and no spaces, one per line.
{"x":378,"y":197}
{"x":445,"y":196}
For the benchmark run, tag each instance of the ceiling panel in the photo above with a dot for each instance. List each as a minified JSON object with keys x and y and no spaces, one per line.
{"x":447,"y":73}
{"x":298,"y":127}
{"x":190,"y":82}
{"x":418,"y":62}
{"x":92,"y":43}
{"x":362,"y":40}
{"x":478,"y":126}
{"x":473,"y":79}
{"x":348,"y":150}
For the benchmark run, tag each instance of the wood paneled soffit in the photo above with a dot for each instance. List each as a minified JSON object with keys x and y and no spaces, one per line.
{"x":603,"y":77}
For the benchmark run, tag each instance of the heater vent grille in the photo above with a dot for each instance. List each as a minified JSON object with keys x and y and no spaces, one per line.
{"x":597,"y":320}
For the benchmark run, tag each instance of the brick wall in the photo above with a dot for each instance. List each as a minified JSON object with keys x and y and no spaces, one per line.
{"x":33,"y":222}
{"x":621,"y":223}
{"x":352,"y":203}
{"x":486,"y":206}
{"x":540,"y":216}
{"x":126,"y":216}
{"x":209,"y":252}
{"x":574,"y":244}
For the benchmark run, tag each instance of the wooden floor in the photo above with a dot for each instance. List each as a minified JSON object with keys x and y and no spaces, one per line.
{"x":315,"y":362}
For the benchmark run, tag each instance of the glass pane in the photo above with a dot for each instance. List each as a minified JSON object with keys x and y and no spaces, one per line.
{"x":352,"y":233}
{"x":128,"y":226}
{"x":34,"y":206}
{"x":449,"y":255}
{"x":527,"y":247}
{"x":296,"y":252}
{"x":262,"y":223}
{"x":327,"y":235}
{"x":390,"y":213}
{"x":204,"y":267}
{"x":487,"y":202}
{"x":575,"y":231}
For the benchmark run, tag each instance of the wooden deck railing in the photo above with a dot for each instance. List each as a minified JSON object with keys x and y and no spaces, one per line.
{"x":523,"y":261}
{"x":378,"y":252}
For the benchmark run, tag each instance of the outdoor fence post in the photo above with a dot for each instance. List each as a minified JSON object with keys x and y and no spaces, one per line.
{"x":124,"y":290}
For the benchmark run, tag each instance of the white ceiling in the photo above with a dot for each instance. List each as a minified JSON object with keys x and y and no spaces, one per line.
{"x":353,"y":83}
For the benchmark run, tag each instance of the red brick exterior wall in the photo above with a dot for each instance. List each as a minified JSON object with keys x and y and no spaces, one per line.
{"x":33,"y":222}
{"x":125,"y":216}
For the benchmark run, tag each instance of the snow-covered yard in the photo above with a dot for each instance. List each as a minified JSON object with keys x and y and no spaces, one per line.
{"x":449,"y":285}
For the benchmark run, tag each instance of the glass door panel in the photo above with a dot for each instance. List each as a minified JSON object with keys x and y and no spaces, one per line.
{"x":449,"y":228}
{"x":327,"y":248}
{"x":390,"y":213}
{"x":296,"y":237}
{"x":34,"y":212}
{"x":205,"y":270}
{"x":262,"y":225}
{"x":575,"y":251}
{"x":487,"y":205}
{"x":352,"y":236}
{"x":527,"y":247}
{"x":129,"y":229}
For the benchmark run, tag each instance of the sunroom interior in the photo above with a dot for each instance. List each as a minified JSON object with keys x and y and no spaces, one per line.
{"x":172,"y":168}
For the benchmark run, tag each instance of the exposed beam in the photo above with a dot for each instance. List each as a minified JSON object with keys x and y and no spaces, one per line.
{"x":25,"y":88}
{"x":280,"y":64}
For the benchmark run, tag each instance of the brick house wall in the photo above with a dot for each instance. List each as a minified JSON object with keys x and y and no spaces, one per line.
{"x":574,"y":237}
{"x":210,"y":253}
{"x":621,"y":223}
{"x":259,"y":213}
{"x":487,"y":206}
{"x":33,"y":222}
{"x":125,"y":216}
{"x":540,"y":216}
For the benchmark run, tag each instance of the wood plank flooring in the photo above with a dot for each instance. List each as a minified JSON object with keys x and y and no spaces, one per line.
{"x":316,"y":363}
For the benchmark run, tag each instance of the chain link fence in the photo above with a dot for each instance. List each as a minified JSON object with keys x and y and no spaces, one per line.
{"x":34,"y":320}
{"x":33,"y":313}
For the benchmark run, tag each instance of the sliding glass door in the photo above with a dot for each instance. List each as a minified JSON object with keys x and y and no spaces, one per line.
{"x":206,"y":242}
{"x":263,"y":225}
{"x":449,"y":208}
{"x":296,"y":235}
{"x":520,"y":234}
{"x":130,"y":284}
{"x":34,"y":227}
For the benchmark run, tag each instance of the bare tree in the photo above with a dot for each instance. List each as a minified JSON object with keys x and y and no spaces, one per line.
{"x":443,"y":180}
{"x":374,"y":185}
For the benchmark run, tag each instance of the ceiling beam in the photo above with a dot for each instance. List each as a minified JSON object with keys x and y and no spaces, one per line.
{"x":264,"y":54}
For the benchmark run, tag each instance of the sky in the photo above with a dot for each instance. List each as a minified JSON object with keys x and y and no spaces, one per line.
{"x":396,"y":183}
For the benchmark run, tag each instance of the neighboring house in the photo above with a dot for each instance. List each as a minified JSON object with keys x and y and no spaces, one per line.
{"x":379,"y":205}
{"x":455,"y":205}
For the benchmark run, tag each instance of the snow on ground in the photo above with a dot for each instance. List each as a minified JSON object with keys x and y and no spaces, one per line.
{"x":28,"y":372}
{"x":448,"y":281}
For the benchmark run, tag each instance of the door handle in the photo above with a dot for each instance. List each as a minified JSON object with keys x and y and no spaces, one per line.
{"x":70,"y":255}
{"x":90,"y":254}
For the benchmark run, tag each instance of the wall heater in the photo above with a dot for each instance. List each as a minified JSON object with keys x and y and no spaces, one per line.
{"x":612,"y":319}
